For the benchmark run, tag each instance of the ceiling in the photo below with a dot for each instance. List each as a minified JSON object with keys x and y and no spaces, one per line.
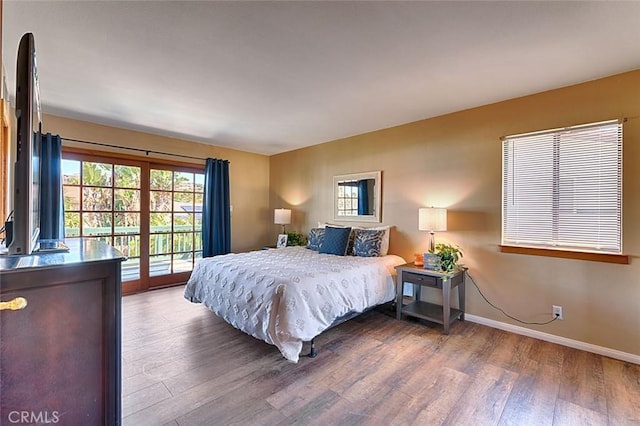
{"x":269,"y":77}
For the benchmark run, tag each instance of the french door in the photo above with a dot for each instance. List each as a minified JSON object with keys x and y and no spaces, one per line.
{"x":151,"y":212}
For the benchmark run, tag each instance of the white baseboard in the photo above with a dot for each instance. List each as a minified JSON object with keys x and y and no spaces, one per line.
{"x":600,"y":350}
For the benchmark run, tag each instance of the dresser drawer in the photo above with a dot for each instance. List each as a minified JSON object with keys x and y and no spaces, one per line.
{"x":425,"y":280}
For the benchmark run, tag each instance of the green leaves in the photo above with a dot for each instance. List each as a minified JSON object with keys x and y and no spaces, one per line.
{"x":296,"y":239}
{"x":449,"y":256}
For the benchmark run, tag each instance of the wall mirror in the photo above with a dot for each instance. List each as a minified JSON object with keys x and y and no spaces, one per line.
{"x":357,"y":197}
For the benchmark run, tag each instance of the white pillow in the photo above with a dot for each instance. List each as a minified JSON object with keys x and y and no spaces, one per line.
{"x":335,"y":225}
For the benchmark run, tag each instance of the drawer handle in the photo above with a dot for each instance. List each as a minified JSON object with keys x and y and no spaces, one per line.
{"x":14,"y":305}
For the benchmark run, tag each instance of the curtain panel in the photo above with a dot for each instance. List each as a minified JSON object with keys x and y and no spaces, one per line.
{"x":51,"y":204}
{"x":363,"y":197}
{"x":216,"y":211}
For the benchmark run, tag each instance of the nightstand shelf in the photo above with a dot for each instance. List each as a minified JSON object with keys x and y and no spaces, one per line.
{"x":445,"y":282}
{"x":430,"y":312}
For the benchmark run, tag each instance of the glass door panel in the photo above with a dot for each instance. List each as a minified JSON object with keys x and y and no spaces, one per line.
{"x":102,"y":201}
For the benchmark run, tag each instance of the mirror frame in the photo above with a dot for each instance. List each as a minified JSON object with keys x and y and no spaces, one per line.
{"x":377,"y":177}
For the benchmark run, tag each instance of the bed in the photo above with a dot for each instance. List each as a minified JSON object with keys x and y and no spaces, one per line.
{"x":290,"y":295}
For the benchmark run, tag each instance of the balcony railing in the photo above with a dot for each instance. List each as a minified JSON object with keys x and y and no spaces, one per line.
{"x":182,"y":242}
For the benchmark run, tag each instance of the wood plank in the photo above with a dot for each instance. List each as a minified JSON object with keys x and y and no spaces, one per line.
{"x":533,"y":397}
{"x":242,"y":406}
{"x":485,"y":398}
{"x":582,"y":380}
{"x":137,"y":382}
{"x":309,"y":381}
{"x":183,"y":403}
{"x":442,"y":390}
{"x":512,"y":352}
{"x":622,"y":383}
{"x":466,"y":352}
{"x":318,"y":411}
{"x":193,"y":371}
{"x":392,"y":368}
{"x":570,"y":414}
{"x":144,"y":398}
{"x":380,"y":407}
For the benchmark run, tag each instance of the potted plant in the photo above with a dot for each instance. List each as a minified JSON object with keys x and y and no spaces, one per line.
{"x":296,"y":239}
{"x":448,"y":255}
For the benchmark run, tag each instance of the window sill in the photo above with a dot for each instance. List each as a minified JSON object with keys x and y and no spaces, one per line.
{"x":566,"y":254}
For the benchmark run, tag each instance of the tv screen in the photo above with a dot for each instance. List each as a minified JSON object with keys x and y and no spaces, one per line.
{"x":26,"y":191}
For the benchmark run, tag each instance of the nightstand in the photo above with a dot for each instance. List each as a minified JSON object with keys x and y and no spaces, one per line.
{"x":444,"y":281}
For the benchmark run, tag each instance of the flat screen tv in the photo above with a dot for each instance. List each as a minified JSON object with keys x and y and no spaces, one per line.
{"x":26,"y":183}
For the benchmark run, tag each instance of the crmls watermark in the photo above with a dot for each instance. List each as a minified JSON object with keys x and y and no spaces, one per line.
{"x":30,"y":417}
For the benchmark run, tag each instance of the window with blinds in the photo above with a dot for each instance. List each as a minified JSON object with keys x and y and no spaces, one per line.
{"x":562,"y":188}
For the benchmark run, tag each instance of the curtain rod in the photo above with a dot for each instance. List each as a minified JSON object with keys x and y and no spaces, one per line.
{"x":146,"y":151}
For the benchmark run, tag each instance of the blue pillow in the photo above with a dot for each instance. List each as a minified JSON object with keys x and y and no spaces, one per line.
{"x":316,"y":236}
{"x":368,"y":243}
{"x":335,"y":241}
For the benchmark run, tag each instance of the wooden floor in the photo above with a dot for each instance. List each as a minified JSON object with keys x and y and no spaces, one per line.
{"x":184,"y":366}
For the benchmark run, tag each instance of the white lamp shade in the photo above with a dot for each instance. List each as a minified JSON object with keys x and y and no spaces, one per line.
{"x":432,"y":219}
{"x":282,"y":216}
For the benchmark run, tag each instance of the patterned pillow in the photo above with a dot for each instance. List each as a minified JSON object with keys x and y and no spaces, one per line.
{"x":315,"y":238}
{"x":385,"y":240}
{"x":352,"y":240}
{"x":368,"y":243}
{"x":335,"y":241}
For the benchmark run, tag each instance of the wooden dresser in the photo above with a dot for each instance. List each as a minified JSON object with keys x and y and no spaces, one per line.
{"x":60,"y":354}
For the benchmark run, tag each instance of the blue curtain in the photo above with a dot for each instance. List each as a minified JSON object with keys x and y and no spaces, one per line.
{"x":51,"y":206}
{"x":216,"y":215}
{"x":363,"y":197}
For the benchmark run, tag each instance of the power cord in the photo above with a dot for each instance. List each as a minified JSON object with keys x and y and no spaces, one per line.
{"x":4,"y":225}
{"x":555,"y":318}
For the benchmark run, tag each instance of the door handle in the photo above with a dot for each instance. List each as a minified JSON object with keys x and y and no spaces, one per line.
{"x":14,"y":305}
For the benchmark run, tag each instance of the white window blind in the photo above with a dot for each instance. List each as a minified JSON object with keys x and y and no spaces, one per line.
{"x":562,"y":188}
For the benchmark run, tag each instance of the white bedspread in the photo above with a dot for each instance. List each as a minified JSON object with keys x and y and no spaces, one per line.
{"x":290,"y":295}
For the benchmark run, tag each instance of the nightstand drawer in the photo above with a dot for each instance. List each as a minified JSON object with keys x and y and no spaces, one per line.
{"x":425,"y":280}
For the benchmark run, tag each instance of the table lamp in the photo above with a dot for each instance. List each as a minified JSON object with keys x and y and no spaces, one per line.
{"x":282,"y":217}
{"x":432,"y":219}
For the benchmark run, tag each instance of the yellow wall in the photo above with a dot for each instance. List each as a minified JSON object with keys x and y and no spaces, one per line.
{"x":248,"y":173}
{"x":454,"y":161}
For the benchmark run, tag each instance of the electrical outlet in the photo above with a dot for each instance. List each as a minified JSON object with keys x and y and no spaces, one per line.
{"x":557,"y":312}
